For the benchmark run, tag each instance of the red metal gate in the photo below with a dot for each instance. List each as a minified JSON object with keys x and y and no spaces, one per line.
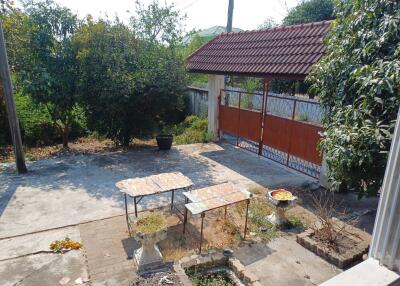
{"x":282,"y":128}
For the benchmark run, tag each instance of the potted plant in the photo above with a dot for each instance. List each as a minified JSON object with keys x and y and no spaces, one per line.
{"x":164,"y":141}
{"x":149,"y":230}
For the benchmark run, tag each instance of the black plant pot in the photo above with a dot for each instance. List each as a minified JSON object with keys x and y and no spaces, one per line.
{"x":164,"y":141}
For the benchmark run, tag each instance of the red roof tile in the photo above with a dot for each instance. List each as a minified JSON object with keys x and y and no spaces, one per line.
{"x":283,"y":52}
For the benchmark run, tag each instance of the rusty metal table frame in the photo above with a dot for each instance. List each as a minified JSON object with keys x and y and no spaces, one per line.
{"x":203,"y":214}
{"x":138,"y":198}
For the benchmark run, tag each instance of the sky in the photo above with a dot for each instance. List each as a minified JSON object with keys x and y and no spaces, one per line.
{"x":201,"y":14}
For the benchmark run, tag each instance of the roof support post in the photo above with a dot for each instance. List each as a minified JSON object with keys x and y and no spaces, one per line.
{"x":214,"y":86}
{"x":263,"y":113}
{"x":323,"y":176}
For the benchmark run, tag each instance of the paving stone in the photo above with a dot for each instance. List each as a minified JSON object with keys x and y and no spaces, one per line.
{"x":107,"y":252}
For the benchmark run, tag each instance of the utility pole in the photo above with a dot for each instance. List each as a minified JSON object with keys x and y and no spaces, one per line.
{"x":10,"y":104}
{"x":229,"y":29}
{"x":230,"y":16}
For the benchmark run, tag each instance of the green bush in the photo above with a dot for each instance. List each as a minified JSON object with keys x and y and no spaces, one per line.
{"x":37,"y":128}
{"x":136,"y":82}
{"x":358,"y":82}
{"x":192,"y":130}
{"x":35,"y":122}
{"x":5,"y":137}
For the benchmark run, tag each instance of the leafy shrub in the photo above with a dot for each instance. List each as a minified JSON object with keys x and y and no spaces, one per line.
{"x":37,"y":127}
{"x":5,"y":137}
{"x":35,"y":122}
{"x":220,"y":278}
{"x":192,"y":130}
{"x":358,"y":82}
{"x":136,"y":81}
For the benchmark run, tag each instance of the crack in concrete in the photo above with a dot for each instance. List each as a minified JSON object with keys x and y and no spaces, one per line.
{"x":39,"y":269}
{"x":34,"y":253}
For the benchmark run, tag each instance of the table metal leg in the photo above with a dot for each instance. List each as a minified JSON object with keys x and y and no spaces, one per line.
{"x":245,"y":224}
{"x":201,"y":231}
{"x":134,"y":200}
{"x":126,"y":214}
{"x":172,"y":200}
{"x":185,"y":216}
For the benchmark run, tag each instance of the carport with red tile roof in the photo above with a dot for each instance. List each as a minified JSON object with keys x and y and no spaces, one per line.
{"x":284,"y":52}
{"x":278,"y":53}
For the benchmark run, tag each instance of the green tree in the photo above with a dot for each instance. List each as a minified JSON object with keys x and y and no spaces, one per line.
{"x":358,"y":82}
{"x":310,"y":11}
{"x":156,"y":24}
{"x":51,"y":76}
{"x":108,"y":65}
{"x":268,"y":24}
{"x":305,"y":12}
{"x":16,"y":30}
{"x":195,"y":79}
{"x":132,"y":80}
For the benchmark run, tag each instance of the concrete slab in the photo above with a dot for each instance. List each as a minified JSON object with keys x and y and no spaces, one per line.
{"x":284,"y":262}
{"x":35,"y":243}
{"x":367,"y":273}
{"x":73,"y":189}
{"x":43,"y":269}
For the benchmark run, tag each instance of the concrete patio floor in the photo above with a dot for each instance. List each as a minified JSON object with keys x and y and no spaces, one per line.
{"x":58,"y":194}
{"x":74,"y":189}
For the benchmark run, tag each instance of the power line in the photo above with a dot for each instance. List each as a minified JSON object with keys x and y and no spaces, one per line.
{"x":189,"y":5}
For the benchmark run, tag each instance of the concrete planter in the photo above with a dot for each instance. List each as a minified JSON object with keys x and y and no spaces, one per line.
{"x":343,"y":260}
{"x":215,"y":259}
{"x":149,"y":257}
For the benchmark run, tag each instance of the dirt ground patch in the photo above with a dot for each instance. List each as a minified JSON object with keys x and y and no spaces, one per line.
{"x":218,"y":233}
{"x":83,"y":145}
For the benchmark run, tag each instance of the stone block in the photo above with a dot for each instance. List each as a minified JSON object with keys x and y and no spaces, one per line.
{"x":236,"y":267}
{"x":204,"y":261}
{"x":218,"y":259}
{"x":189,"y":264}
{"x":249,"y":277}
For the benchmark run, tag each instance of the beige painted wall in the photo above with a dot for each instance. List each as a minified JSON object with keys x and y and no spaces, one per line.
{"x":215,"y":84}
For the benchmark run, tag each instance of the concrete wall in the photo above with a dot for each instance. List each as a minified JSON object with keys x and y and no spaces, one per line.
{"x":198,"y":101}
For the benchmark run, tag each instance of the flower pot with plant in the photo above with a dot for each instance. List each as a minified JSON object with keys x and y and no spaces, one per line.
{"x":149,"y":230}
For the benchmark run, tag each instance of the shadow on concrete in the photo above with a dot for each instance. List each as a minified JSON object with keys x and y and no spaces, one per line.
{"x":5,"y":197}
{"x":260,"y":170}
{"x":75,"y":188}
{"x":253,"y":253}
{"x":98,"y":173}
{"x":130,"y":245}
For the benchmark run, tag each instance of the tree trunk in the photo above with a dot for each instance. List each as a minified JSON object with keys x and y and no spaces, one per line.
{"x":65,"y":135}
